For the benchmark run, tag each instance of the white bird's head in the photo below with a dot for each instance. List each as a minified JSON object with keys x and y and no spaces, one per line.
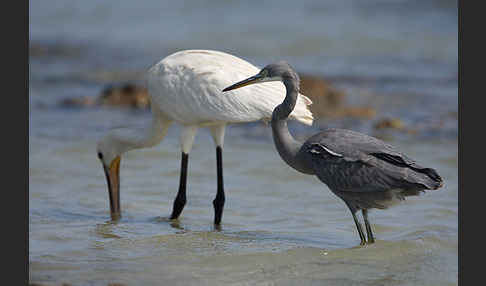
{"x":115,"y":143}
{"x":279,"y":71}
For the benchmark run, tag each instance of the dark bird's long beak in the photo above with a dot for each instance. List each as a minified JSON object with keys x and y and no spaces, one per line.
{"x":113,"y":180}
{"x":248,"y":81}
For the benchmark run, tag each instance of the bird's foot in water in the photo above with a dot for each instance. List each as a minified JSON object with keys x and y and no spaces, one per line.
{"x":364,"y":242}
{"x":115,"y":216}
{"x":177,"y":208}
{"x":217,"y":227}
{"x":218,"y":204}
{"x":176,"y":224}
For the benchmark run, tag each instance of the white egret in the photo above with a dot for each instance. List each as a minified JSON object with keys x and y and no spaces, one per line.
{"x":185,"y":88}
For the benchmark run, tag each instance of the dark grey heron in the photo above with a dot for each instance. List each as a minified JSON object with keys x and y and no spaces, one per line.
{"x":363,"y":171}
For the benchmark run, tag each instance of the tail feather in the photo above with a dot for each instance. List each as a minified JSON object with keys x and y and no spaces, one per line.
{"x":301,"y":111}
{"x":434,"y":176}
{"x":419,"y":175}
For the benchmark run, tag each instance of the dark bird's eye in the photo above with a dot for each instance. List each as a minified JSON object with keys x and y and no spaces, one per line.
{"x":100,"y":155}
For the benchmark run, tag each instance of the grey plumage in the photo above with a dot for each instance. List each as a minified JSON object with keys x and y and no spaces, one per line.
{"x":368,"y":173}
{"x":363,"y":171}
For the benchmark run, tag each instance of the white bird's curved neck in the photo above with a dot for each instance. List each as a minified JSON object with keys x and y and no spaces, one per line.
{"x":144,"y":137}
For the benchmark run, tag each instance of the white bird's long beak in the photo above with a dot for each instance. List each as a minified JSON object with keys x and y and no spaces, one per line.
{"x":113,"y":180}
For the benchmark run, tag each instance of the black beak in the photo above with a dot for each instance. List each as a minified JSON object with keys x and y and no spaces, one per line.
{"x":248,"y":81}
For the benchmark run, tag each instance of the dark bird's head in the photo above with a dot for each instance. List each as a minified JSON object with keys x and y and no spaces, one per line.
{"x":279,"y":71}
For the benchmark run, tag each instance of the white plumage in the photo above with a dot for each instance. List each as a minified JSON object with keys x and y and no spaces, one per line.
{"x":186,"y":88}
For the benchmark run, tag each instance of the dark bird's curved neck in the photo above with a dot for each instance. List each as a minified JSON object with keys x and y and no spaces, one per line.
{"x":287,"y":146}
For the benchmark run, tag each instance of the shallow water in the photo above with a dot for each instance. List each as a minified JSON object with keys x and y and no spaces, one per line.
{"x":280,"y":227}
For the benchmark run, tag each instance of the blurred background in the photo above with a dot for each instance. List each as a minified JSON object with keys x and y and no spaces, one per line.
{"x":386,"y":68}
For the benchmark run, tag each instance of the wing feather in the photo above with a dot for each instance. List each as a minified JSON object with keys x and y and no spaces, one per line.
{"x":188,"y":87}
{"x":366,"y":163}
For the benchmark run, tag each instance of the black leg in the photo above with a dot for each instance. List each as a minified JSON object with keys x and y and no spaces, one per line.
{"x":180,"y":200}
{"x":358,"y":226}
{"x":218,"y":202}
{"x":371,"y":239}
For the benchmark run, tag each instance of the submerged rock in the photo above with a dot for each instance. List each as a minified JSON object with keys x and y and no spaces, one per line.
{"x":393,"y":124}
{"x":126,"y":95}
{"x":78,"y":101}
{"x":328,"y":102}
{"x":324,"y":97}
{"x":390,"y":123}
